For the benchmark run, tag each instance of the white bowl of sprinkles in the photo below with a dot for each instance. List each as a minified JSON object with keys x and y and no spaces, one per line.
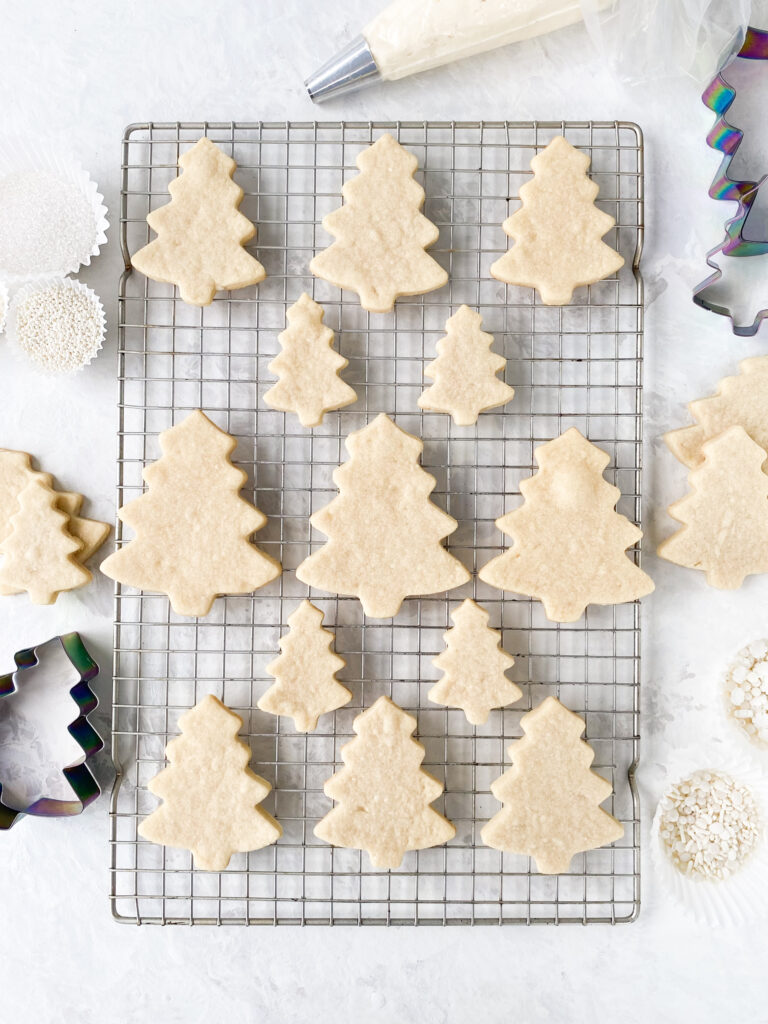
{"x":52,"y":217}
{"x":58,"y":325}
{"x":708,"y":838}
{"x":745,"y":692}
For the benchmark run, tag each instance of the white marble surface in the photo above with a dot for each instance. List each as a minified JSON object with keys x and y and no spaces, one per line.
{"x":76,"y":73}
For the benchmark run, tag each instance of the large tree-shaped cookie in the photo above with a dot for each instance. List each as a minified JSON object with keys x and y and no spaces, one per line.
{"x":201,"y":232}
{"x":38,"y":555}
{"x":383,"y":793}
{"x":558,"y":230}
{"x":380,"y":232}
{"x":551,"y":796}
{"x":208,"y":791}
{"x":725,"y":517}
{"x":569,"y":542}
{"x":383,"y":531}
{"x":474,"y":666}
{"x":741,"y":401}
{"x":308,"y":367}
{"x":305,"y":684}
{"x":465,"y":371}
{"x":192,"y":527}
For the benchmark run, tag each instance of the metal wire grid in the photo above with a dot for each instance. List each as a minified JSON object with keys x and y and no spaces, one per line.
{"x":575,"y":365}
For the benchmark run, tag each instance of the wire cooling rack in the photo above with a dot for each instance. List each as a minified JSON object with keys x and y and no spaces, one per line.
{"x":578,"y":365}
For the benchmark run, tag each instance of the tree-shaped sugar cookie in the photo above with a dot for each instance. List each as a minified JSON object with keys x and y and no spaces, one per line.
{"x":192,"y":527}
{"x":569,"y":542}
{"x":474,"y":666}
{"x":380,"y":232}
{"x":38,"y":555}
{"x":201,"y":232}
{"x":16,"y":472}
{"x":305,"y":684}
{"x":465,"y":371}
{"x":551,"y":796}
{"x":725,"y":517}
{"x":383,"y":531}
{"x":383,"y":793}
{"x":209,"y":793}
{"x":741,"y":401}
{"x":558,"y":230}
{"x":308,"y":367}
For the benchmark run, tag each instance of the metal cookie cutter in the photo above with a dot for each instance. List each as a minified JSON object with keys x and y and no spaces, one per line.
{"x":78,"y":775}
{"x":726,"y":138}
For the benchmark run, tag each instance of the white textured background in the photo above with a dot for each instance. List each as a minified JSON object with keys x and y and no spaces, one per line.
{"x":75,"y":73}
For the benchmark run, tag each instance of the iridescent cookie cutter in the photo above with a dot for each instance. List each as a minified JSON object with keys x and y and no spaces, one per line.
{"x":726,"y":139}
{"x":83,"y":784}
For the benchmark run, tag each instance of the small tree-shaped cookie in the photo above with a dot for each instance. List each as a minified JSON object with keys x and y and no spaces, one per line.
{"x":741,"y":400}
{"x":465,"y":371}
{"x":38,"y":553}
{"x":383,"y":531}
{"x":308,"y":367}
{"x":305,"y":684}
{"x":725,"y":516}
{"x":192,"y":526}
{"x":551,"y":796}
{"x":474,"y":664}
{"x":569,"y":542}
{"x":201,"y":232}
{"x":383,"y":793}
{"x":558,"y":229}
{"x":380,"y":232}
{"x":209,"y":793}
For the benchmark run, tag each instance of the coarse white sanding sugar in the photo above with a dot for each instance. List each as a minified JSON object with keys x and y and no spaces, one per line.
{"x":47,"y":224}
{"x":746,"y":690}
{"x":3,"y":306}
{"x":709,"y":825}
{"x":59,"y":327}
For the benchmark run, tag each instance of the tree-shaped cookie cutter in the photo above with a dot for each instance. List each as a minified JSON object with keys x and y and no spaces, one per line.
{"x":726,"y":139}
{"x":84,"y":786}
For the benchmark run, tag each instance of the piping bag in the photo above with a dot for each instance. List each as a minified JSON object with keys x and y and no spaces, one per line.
{"x":410,"y":36}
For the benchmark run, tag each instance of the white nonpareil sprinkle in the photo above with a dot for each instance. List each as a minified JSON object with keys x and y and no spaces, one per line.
{"x":59,"y":327}
{"x":746,"y":690}
{"x":709,"y":825}
{"x":47,"y":224}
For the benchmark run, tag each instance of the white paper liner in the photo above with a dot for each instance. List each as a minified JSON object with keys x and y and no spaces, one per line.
{"x":742,"y":897}
{"x":18,"y":156}
{"x":751,"y":745}
{"x":40,"y":286}
{"x":4,"y":302}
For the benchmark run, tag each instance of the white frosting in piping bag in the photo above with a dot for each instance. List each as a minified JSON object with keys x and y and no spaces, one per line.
{"x":415,"y":35}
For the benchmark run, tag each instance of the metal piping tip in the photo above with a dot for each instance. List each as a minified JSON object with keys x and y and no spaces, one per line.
{"x":351,"y":68}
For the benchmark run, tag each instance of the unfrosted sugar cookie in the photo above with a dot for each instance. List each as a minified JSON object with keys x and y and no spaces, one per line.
{"x":570,"y":544}
{"x":558,"y":230}
{"x":551,"y":796}
{"x":465,"y":371}
{"x":209,"y":793}
{"x":381,"y":234}
{"x":192,"y":525}
{"x":38,"y":554}
{"x":308,"y":367}
{"x":474,"y":666}
{"x":201,"y":232}
{"x":383,"y":531}
{"x":725,"y":517}
{"x":305,"y":684}
{"x":740,"y":401}
{"x":383,"y":795}
{"x":16,"y":471}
